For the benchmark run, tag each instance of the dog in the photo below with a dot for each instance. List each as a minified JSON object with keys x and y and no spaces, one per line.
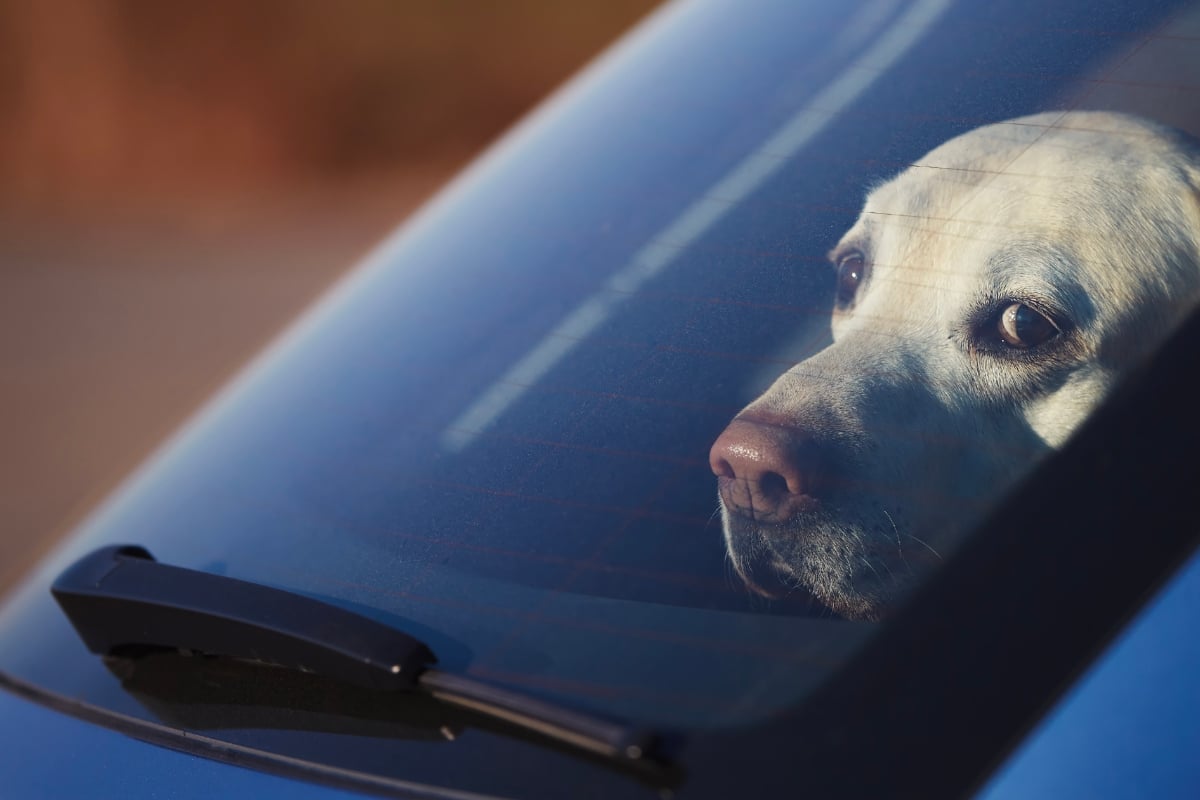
{"x":987,"y":300}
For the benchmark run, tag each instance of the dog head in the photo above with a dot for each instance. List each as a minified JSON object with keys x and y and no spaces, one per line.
{"x":988,"y":298}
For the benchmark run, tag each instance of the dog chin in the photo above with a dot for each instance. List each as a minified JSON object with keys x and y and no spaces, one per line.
{"x":817,"y":555}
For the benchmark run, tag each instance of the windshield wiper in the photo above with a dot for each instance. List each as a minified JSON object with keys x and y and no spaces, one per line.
{"x":124,"y":604}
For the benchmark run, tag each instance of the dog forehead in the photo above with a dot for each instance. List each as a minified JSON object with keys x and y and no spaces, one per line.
{"x":1031,"y":155}
{"x":933,"y":233}
{"x":930,"y":220}
{"x":1061,"y":180}
{"x":978,"y":187}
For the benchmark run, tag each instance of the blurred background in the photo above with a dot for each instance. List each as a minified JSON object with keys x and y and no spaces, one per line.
{"x":178,"y":180}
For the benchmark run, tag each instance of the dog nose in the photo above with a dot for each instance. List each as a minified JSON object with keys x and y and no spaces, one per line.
{"x":765,"y":470}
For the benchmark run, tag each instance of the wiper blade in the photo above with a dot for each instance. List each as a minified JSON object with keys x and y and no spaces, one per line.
{"x":125,"y":604}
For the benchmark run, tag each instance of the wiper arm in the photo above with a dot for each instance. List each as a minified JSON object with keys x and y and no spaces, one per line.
{"x":124,"y":603}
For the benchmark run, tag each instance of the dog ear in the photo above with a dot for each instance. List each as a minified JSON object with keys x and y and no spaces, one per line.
{"x":1189,"y":144}
{"x":1194,"y":180}
{"x":1188,"y":147}
{"x":1193,"y":176}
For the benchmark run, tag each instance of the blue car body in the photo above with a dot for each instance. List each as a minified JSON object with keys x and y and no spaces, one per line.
{"x":491,"y":437}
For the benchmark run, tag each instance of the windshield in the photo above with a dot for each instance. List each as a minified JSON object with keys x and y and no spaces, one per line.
{"x":649,"y":412}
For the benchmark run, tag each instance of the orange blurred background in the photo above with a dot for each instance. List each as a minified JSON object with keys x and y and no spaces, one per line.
{"x":178,"y":180}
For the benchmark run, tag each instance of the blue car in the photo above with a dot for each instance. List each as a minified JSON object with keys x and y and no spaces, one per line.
{"x":458,"y":534}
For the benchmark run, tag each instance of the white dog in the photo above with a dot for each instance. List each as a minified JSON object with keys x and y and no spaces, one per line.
{"x":988,"y":299}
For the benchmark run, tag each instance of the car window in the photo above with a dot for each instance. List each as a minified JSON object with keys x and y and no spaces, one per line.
{"x":667,"y":404}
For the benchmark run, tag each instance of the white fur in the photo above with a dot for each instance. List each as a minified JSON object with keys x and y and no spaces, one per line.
{"x":1090,"y":215}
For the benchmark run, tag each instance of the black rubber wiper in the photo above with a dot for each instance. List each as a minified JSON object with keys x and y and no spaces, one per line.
{"x":125,"y":604}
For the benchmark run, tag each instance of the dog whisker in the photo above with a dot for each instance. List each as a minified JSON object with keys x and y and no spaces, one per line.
{"x":925,"y":544}
{"x":867,"y":562}
{"x":896,"y":530}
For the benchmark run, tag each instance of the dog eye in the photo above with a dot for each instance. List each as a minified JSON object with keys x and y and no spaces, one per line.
{"x":1021,"y":326}
{"x":851,"y":268}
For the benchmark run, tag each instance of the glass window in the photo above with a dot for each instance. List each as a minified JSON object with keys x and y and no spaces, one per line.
{"x":868,"y":264}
